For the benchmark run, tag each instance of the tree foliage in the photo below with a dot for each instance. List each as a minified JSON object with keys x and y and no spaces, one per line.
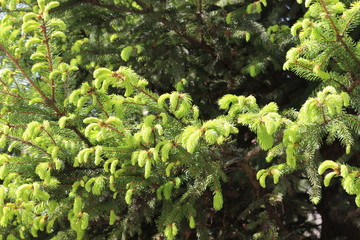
{"x":90,"y":149}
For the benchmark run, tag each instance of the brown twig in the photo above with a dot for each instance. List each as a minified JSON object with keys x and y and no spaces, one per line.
{"x":27,"y":143}
{"x":354,"y":84}
{"x":80,"y":135}
{"x":46,"y":42}
{"x":101,"y":105}
{"x":203,"y":45}
{"x":51,"y":137}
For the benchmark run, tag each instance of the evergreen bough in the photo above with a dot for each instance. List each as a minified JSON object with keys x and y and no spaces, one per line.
{"x":85,"y":155}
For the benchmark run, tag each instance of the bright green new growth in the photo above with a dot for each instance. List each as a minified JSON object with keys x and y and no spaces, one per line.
{"x":124,"y":147}
{"x":325,"y":42}
{"x":133,"y":143}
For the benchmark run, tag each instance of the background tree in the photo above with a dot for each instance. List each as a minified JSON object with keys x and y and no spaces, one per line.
{"x":205,"y":42}
{"x":91,"y":150}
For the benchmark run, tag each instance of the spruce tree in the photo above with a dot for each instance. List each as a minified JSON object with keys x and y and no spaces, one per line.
{"x":106,"y":155}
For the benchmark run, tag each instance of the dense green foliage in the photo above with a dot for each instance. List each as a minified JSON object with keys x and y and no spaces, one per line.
{"x":186,"y":141}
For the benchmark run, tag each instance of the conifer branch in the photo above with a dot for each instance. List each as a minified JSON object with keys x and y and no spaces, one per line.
{"x":339,"y":36}
{"x":135,"y":103}
{"x":101,"y":105}
{"x":13,"y":95}
{"x":343,"y":87}
{"x":46,"y":42}
{"x":13,"y":204}
{"x":16,"y":126}
{"x":354,"y":85}
{"x":131,"y":175}
{"x":14,"y":61}
{"x":70,"y":168}
{"x":155,"y":100}
{"x":304,"y":67}
{"x":112,"y":128}
{"x":251,"y":175}
{"x":47,"y":101}
{"x":323,"y":115}
{"x":26,"y":143}
{"x":144,"y":92}
{"x":154,"y":137}
{"x":29,"y":113}
{"x":5,"y":91}
{"x":26,"y":162}
{"x":243,"y":163}
{"x":80,"y":135}
{"x":117,"y":151}
{"x":249,"y":171}
{"x":51,"y":137}
{"x":206,"y":47}
{"x":347,"y":24}
{"x":15,"y":10}
{"x":274,"y":216}
{"x":112,"y":7}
